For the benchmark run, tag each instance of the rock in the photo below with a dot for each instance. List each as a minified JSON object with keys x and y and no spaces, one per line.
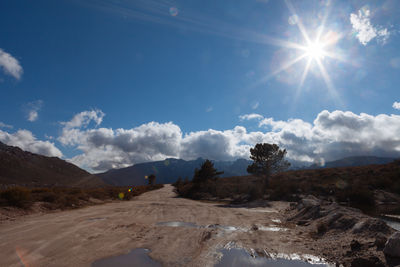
{"x":303,"y":222}
{"x":372,"y":226}
{"x":380,"y":241}
{"x":332,"y":217}
{"x":392,"y":246}
{"x":370,"y":262}
{"x":310,"y":202}
{"x":355,"y":245}
{"x":359,"y":227}
{"x":344,"y":223}
{"x":378,"y":226}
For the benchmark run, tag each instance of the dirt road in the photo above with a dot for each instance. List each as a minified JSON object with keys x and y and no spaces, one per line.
{"x":79,"y":237}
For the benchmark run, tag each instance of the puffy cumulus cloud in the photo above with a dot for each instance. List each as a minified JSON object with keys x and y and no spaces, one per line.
{"x":252,"y":116}
{"x":105,"y":148}
{"x":10,"y":65}
{"x":396,"y":105}
{"x":83,"y":119}
{"x":3,"y":125}
{"x":32,"y":110}
{"x":338,"y":134}
{"x":71,"y":131}
{"x":341,"y":133}
{"x":217,"y":145}
{"x":364,"y":29}
{"x":25,"y":140}
{"x":330,"y":136}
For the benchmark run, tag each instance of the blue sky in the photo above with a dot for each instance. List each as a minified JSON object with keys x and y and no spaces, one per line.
{"x":107,"y":84}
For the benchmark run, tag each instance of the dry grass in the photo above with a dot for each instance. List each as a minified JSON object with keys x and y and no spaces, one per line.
{"x":68,"y":197}
{"x":353,"y":186}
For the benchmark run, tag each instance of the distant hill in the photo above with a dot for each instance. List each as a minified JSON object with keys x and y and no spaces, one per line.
{"x":353,"y":162}
{"x":168,"y":171}
{"x":28,"y":169}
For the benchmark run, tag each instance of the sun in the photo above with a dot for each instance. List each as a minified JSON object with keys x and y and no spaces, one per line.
{"x":318,"y":48}
{"x":315,"y":50}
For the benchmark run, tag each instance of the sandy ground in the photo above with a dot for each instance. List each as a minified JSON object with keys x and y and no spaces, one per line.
{"x":79,"y":237}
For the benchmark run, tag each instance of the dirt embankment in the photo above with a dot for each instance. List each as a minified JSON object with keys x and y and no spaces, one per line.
{"x":342,"y":234}
{"x":79,"y":237}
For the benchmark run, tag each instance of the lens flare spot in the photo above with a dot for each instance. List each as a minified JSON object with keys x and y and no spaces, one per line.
{"x":173,"y":11}
{"x":293,"y":19}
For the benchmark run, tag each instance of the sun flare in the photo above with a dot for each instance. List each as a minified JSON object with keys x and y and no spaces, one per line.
{"x":315,"y":50}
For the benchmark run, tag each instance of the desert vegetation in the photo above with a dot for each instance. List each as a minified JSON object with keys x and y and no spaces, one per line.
{"x":351,"y":186}
{"x":68,"y":197}
{"x":267,"y":159}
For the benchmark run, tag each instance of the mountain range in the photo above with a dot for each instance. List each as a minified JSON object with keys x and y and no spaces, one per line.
{"x":353,"y":161}
{"x":29,"y":169}
{"x":169,"y":170}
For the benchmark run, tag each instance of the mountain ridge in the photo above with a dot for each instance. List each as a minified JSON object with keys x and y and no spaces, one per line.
{"x":19,"y":167}
{"x":169,"y":170}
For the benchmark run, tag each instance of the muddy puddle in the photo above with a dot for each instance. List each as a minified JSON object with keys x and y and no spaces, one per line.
{"x":193,"y":225}
{"x":178,"y":224}
{"x":222,"y":227}
{"x":225,"y":228}
{"x":137,"y":257}
{"x":392,"y":224}
{"x":271,"y":228}
{"x":238,"y":257}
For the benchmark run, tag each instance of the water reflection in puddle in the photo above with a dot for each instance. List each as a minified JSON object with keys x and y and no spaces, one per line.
{"x":178,"y":224}
{"x":222,"y":227}
{"x":137,"y":257}
{"x":271,"y":228}
{"x":193,"y":225}
{"x":238,"y":257}
{"x":392,"y":224}
{"x":226,"y":228}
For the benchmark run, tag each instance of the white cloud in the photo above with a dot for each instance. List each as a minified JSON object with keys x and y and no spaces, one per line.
{"x":365,"y":30}
{"x":25,"y":140}
{"x":84,"y":118}
{"x":396,"y":105}
{"x":252,"y":116}
{"x":330,"y":136}
{"x":71,"y":132}
{"x":10,"y":65}
{"x":255,"y":105}
{"x":33,"y":110}
{"x":3,"y":125}
{"x":33,"y":115}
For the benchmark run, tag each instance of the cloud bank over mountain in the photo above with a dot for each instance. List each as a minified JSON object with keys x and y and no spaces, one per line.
{"x":332,"y":135}
{"x":25,"y":140}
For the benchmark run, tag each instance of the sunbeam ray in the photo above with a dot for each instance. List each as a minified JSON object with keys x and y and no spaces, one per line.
{"x":286,"y":66}
{"x":328,"y":82}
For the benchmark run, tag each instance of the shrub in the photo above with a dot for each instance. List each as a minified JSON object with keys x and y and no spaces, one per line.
{"x":49,"y":197}
{"x":17,"y":196}
{"x":256,"y":192}
{"x":321,"y":228}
